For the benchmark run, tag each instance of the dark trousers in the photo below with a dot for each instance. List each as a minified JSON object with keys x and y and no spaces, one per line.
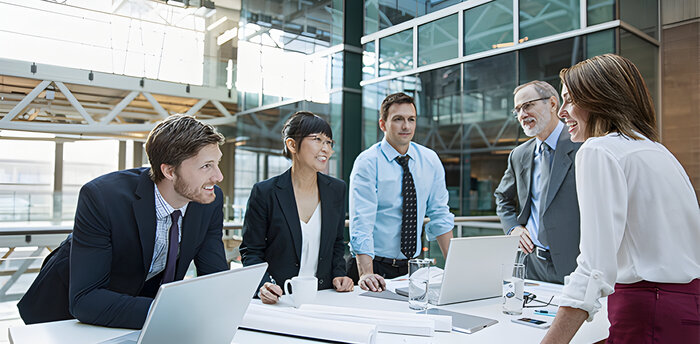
{"x":537,"y":268}
{"x":655,"y":313}
{"x":385,"y":270}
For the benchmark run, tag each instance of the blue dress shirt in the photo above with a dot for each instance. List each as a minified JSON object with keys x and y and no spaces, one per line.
{"x":375,"y":199}
{"x":533,"y":222}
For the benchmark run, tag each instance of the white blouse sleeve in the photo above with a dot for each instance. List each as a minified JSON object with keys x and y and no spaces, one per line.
{"x":602,"y":196}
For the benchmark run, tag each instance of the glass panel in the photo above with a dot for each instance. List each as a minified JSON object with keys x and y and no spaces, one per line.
{"x":600,"y":43}
{"x":251,"y":100}
{"x":336,"y":75}
{"x":371,"y":16}
{"x":544,"y":62}
{"x":600,"y":11}
{"x":439,"y":96}
{"x":429,"y":6}
{"x":437,"y":41}
{"x":368,"y":61}
{"x":642,"y":14}
{"x":488,"y":88}
{"x":371,"y":100}
{"x":645,"y":56}
{"x":396,"y":52}
{"x":392,"y":12}
{"x":540,"y":18}
{"x":336,"y":10}
{"x":488,"y":26}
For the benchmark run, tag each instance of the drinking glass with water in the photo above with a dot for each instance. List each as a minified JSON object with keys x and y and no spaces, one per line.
{"x":513,"y":289}
{"x":418,"y":280}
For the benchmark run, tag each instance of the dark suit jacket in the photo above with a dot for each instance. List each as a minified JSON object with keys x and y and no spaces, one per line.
{"x":561,"y":214}
{"x":272,"y":233}
{"x":111,"y":252}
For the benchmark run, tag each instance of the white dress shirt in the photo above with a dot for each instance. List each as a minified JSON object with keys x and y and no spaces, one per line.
{"x":640,"y":219}
{"x":310,"y":243}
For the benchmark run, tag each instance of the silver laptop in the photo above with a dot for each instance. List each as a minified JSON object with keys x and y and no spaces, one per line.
{"x":205,"y":309}
{"x":473,"y":269}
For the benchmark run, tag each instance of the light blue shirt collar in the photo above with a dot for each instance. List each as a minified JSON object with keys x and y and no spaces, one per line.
{"x":390,"y":153}
{"x":553,"y":137}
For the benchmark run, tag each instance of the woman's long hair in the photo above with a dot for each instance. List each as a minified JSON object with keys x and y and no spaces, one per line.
{"x":612,"y":90}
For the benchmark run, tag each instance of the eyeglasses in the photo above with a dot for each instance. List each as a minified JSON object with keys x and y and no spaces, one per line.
{"x":526,"y":106}
{"x":320,"y":141}
{"x":529,"y":297}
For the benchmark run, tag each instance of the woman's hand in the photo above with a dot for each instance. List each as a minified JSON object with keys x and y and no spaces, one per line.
{"x":270,"y":293}
{"x":343,"y":284}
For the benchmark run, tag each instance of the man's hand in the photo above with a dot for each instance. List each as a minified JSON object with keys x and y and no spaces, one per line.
{"x":270,"y":293}
{"x":525,"y":241}
{"x":372,"y":282}
{"x":343,"y":284}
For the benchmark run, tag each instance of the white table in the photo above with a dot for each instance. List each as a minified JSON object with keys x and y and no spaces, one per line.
{"x":71,"y":331}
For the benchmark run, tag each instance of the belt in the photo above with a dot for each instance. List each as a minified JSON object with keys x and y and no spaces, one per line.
{"x":397,"y":263}
{"x":543,"y":253}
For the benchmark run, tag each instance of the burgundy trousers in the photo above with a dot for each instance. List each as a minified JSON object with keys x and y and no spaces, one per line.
{"x":655,"y":313}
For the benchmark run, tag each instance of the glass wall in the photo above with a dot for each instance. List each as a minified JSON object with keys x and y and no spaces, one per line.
{"x":599,"y":43}
{"x":381,"y":14}
{"x":437,"y":40}
{"x":600,"y":11}
{"x":645,"y":56}
{"x":282,"y":51}
{"x":642,"y":14}
{"x":464,"y":113}
{"x":543,"y":62}
{"x":540,"y":18}
{"x":488,"y":26}
{"x":396,"y":53}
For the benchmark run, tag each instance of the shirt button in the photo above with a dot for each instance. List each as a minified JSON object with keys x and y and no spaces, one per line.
{"x":320,"y":281}
{"x":297,"y":264}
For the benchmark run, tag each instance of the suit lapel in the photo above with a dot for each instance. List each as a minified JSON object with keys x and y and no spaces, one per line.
{"x":526,"y":161}
{"x":560,"y":166}
{"x":145,"y":214}
{"x":285,"y":197}
{"x":327,"y":220}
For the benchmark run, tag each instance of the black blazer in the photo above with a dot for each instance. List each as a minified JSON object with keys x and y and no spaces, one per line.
{"x":111,"y":252}
{"x":272,"y":233}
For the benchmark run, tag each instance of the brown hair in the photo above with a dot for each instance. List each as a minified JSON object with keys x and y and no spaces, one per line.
{"x":612,"y":90}
{"x":176,"y":139}
{"x":301,"y":125}
{"x":396,"y":98}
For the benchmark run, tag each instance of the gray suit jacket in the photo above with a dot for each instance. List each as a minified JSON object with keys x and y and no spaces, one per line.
{"x":561,"y":214}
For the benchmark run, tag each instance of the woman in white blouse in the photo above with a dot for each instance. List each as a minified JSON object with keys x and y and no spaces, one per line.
{"x":640,"y":221}
{"x":295,"y":221}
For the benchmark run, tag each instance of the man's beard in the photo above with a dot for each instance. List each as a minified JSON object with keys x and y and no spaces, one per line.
{"x":540,"y":124}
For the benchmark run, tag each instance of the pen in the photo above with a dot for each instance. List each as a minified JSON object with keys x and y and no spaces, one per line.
{"x":544,"y":312}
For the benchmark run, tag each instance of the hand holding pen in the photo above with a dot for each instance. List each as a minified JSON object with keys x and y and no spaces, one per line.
{"x":270,"y":292}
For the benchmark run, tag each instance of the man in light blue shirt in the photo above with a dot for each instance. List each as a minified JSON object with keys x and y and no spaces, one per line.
{"x":536,"y":199}
{"x":394,"y":185}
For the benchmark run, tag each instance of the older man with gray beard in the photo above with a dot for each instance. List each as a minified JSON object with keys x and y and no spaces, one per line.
{"x":536,"y":199}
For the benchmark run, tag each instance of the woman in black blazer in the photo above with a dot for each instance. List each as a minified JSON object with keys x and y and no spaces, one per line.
{"x":295,"y":221}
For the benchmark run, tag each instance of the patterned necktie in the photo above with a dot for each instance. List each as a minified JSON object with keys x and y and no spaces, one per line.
{"x":173,"y":245}
{"x":408,"y":214}
{"x":545,"y":167}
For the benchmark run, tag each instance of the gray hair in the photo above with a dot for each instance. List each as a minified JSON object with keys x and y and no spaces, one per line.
{"x":543,"y":88}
